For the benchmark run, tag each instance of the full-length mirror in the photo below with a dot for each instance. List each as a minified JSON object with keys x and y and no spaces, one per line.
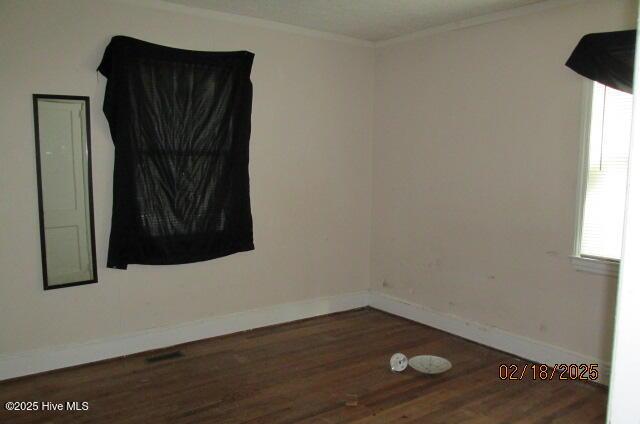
{"x":63,"y":159}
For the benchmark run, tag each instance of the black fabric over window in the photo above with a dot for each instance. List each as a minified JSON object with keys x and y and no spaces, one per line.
{"x":607,"y":58}
{"x":180,"y":121}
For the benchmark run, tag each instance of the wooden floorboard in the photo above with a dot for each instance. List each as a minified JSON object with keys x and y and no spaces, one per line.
{"x":307,"y":372}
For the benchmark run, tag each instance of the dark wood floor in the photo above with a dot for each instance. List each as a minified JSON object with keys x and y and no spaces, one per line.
{"x":307,"y":372}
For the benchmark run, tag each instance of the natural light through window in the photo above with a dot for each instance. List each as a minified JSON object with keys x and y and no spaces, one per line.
{"x":608,"y":157}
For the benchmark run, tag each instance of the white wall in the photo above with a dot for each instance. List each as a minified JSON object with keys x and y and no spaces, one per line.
{"x":310,"y":173}
{"x":476,"y":144}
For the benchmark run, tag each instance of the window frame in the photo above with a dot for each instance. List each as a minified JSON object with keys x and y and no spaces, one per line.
{"x":592,"y":264}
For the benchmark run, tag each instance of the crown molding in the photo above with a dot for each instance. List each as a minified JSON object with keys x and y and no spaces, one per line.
{"x":167,"y":6}
{"x":478,"y":20}
{"x":246,"y":20}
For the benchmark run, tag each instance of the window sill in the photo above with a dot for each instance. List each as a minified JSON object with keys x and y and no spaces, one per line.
{"x":596,"y":266}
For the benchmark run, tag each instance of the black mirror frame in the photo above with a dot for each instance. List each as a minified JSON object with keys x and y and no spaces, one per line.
{"x":43,"y":252}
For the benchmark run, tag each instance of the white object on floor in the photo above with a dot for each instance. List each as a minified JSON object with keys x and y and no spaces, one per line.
{"x":398,"y":362}
{"x":429,"y":364}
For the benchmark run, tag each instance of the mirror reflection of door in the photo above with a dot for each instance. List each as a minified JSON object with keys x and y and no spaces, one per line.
{"x":65,"y":191}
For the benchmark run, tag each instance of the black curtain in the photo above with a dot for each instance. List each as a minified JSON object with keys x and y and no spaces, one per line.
{"x":607,"y":58}
{"x":180,"y":121}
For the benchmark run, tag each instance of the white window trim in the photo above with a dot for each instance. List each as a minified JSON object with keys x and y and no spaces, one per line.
{"x":582,"y":263}
{"x":596,"y":266}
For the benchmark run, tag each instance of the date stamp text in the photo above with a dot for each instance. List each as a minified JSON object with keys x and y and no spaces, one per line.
{"x":575,"y":372}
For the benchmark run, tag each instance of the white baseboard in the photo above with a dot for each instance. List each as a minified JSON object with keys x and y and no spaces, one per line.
{"x":489,"y":336}
{"x":40,"y":360}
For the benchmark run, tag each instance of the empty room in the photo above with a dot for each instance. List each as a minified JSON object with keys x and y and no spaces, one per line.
{"x":319,"y":211}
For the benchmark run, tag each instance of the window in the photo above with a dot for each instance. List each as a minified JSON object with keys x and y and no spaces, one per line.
{"x":603,"y":180}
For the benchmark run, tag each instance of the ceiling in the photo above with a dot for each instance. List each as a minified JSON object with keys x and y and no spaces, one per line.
{"x":372,"y":20}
